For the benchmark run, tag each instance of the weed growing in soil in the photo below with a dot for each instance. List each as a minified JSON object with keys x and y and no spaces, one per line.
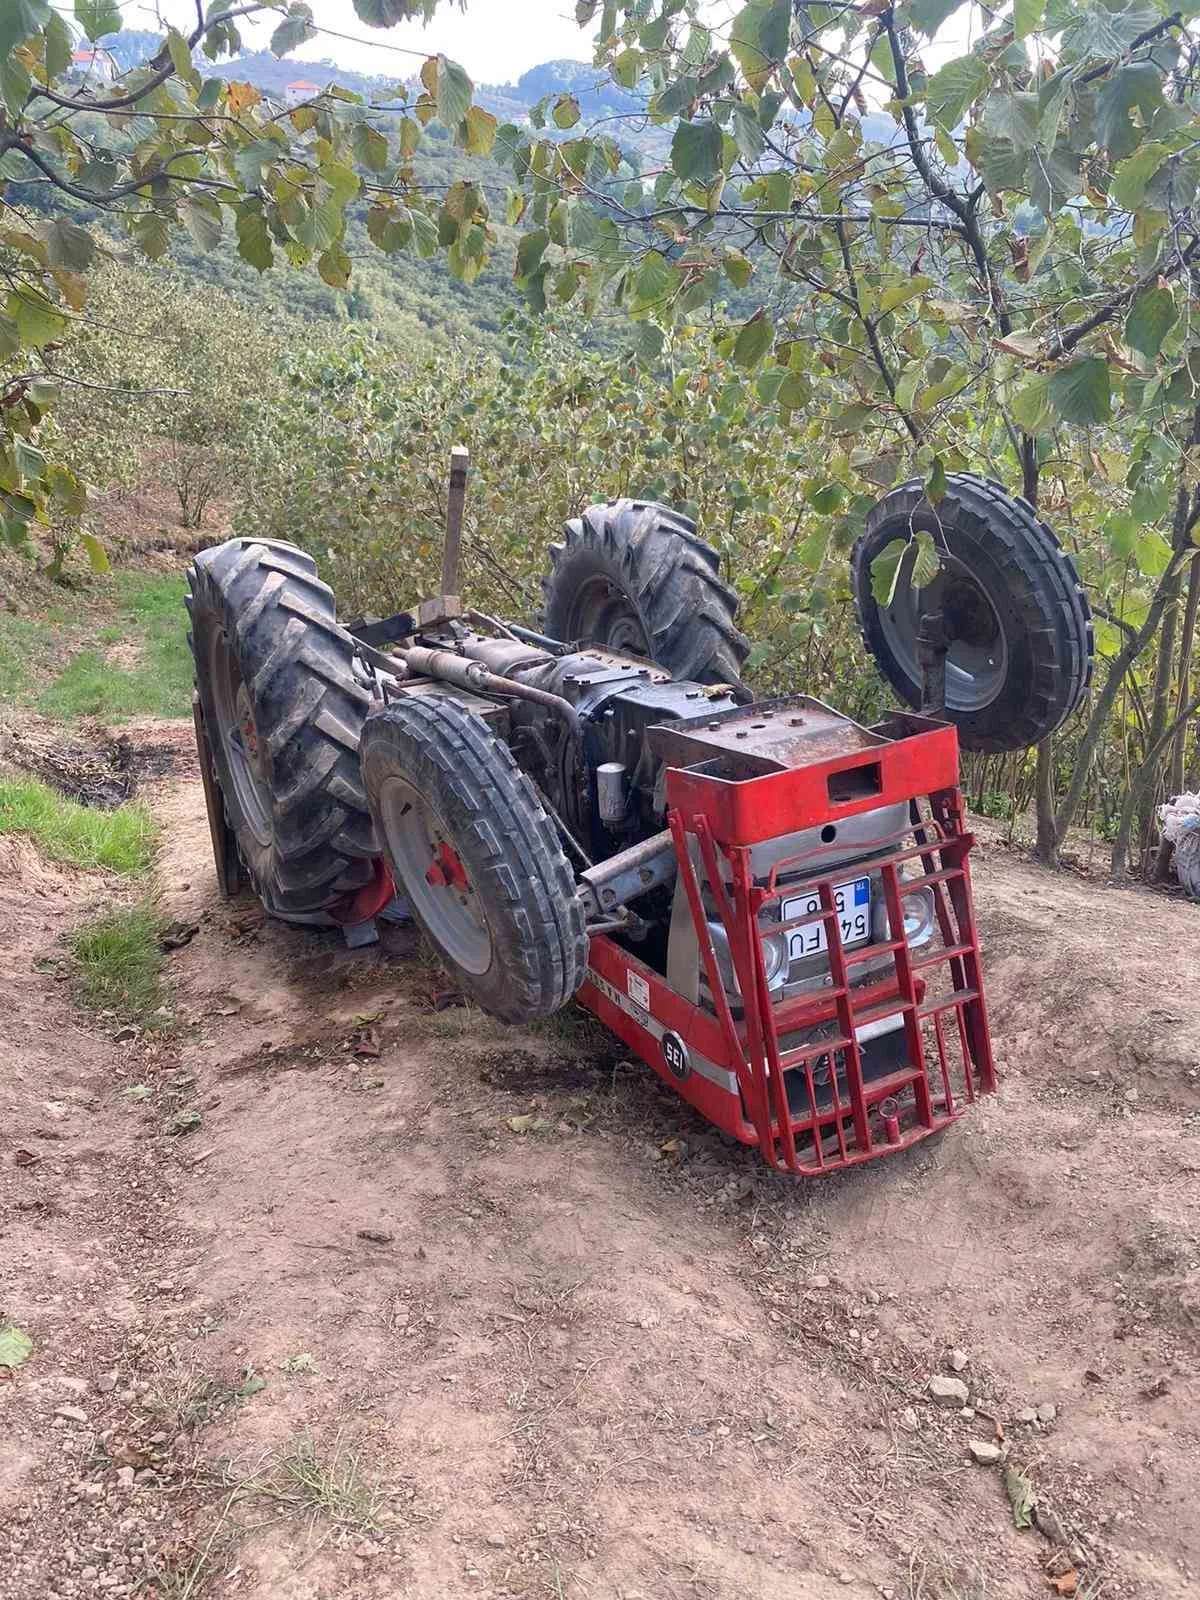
{"x":150,"y":618}
{"x":118,"y":841}
{"x":119,"y":958}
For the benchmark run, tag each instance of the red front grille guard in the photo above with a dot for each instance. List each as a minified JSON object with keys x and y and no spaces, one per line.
{"x":809,"y":1102}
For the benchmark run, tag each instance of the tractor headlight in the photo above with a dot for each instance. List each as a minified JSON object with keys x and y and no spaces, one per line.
{"x":775,"y":958}
{"x":918,"y":910}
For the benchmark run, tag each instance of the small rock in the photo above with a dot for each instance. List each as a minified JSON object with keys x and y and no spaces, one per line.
{"x":845,"y":1577}
{"x":165,"y":1286}
{"x":1027,"y":1414}
{"x":956,"y":1360}
{"x":909,"y":1420}
{"x":1047,"y":1412}
{"x":947,"y":1391}
{"x":819,"y":1280}
{"x":125,"y":1477}
{"x":983,"y":1451}
{"x":968,"y":1412}
{"x":89,"y":1574}
{"x":71,"y":1413}
{"x":106,"y":1382}
{"x":496,"y":1540}
{"x":872,"y":1297}
{"x":92,"y":1491}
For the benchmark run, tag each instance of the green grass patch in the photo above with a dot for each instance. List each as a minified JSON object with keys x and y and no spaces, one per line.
{"x":119,"y":960}
{"x":151,"y":617}
{"x":118,"y":841}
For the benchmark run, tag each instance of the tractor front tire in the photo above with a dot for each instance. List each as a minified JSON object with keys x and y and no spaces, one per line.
{"x":476,"y":856}
{"x":283,"y":713}
{"x":634,"y":576}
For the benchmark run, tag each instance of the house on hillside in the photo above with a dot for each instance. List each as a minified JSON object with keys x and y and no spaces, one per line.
{"x":92,"y":65}
{"x":299,"y":91}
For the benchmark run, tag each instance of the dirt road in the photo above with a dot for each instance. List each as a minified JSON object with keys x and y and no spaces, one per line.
{"x":355,"y":1336}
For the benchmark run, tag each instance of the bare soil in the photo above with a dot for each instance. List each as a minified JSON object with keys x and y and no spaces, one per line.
{"x":355,"y":1337}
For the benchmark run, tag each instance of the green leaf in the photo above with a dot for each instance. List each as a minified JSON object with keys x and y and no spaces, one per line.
{"x":69,"y":245}
{"x":928,"y":15}
{"x":295,"y":29}
{"x":696,"y":151}
{"x":1152,"y":553}
{"x":19,"y":19}
{"x":96,"y":553}
{"x":479,"y":128}
{"x":15,"y":1346}
{"x":953,"y":88}
{"x":334,"y":266}
{"x":254,"y":239}
{"x":648,"y":340}
{"x":1081,"y":392}
{"x":387,"y":13}
{"x":566,"y":111}
{"x":1027,"y":17}
{"x":15,"y":84}
{"x":530,"y":250}
{"x":1151,"y":317}
{"x":935,"y":484}
{"x":59,"y":46}
{"x":370,"y":147}
{"x":758,"y":38}
{"x":926,"y":563}
{"x":738,"y":268}
{"x":754,"y":340}
{"x":95,"y":17}
{"x":885,"y":570}
{"x":1031,"y":406}
{"x":1133,"y":174}
{"x":38,"y":319}
{"x":899,"y":294}
{"x":201,"y":216}
{"x":1138,"y":86}
{"x":826,"y":498}
{"x":453,"y":93}
{"x":152,"y":234}
{"x":252,"y":1383}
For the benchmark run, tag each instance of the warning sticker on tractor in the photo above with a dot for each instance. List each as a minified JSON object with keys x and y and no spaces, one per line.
{"x":638,"y":990}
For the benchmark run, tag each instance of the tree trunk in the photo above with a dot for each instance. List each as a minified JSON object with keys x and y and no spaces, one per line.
{"x":1047,"y":830}
{"x":1186,"y":646}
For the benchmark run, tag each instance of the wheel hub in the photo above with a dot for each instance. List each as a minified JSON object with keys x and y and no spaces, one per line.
{"x":446,"y":870}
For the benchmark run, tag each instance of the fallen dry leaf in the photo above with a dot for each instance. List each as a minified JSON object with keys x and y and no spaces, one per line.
{"x":1066,"y":1583}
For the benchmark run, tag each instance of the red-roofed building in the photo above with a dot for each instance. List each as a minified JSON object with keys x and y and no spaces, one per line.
{"x":298,"y":91}
{"x":93,"y":64}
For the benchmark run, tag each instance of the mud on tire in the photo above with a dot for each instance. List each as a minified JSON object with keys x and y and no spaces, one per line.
{"x":446,"y":795}
{"x":283,"y":712}
{"x":633,"y":575}
{"x":1022,"y":659}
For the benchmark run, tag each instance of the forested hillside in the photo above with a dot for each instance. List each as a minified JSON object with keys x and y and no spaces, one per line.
{"x":760,"y":273}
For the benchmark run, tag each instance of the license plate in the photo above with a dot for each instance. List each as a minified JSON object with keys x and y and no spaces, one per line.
{"x":853,"y":902}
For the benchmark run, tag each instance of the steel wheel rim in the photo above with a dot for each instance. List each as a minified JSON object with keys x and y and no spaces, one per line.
{"x":413,"y":833}
{"x":977,"y":660}
{"x":245,"y":758}
{"x":604,"y":613}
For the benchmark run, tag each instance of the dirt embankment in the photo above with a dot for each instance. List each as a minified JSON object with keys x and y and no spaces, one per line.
{"x":353,"y":1336}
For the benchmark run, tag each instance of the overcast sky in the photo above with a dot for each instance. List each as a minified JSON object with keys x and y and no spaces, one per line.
{"x":496,"y":41}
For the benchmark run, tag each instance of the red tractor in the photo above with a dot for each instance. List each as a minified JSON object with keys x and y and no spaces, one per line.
{"x":766,"y":901}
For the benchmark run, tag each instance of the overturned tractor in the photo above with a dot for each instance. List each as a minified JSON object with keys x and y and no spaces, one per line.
{"x":768,"y":902}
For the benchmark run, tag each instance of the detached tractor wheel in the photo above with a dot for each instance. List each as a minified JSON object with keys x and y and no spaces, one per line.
{"x":283,"y":712}
{"x":1017,"y":620}
{"x":476,"y":857}
{"x":632,"y":575}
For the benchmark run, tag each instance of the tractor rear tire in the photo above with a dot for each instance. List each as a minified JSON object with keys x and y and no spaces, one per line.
{"x":1020,"y":659}
{"x":283,"y":713}
{"x":633,"y":576}
{"x":476,"y":856}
